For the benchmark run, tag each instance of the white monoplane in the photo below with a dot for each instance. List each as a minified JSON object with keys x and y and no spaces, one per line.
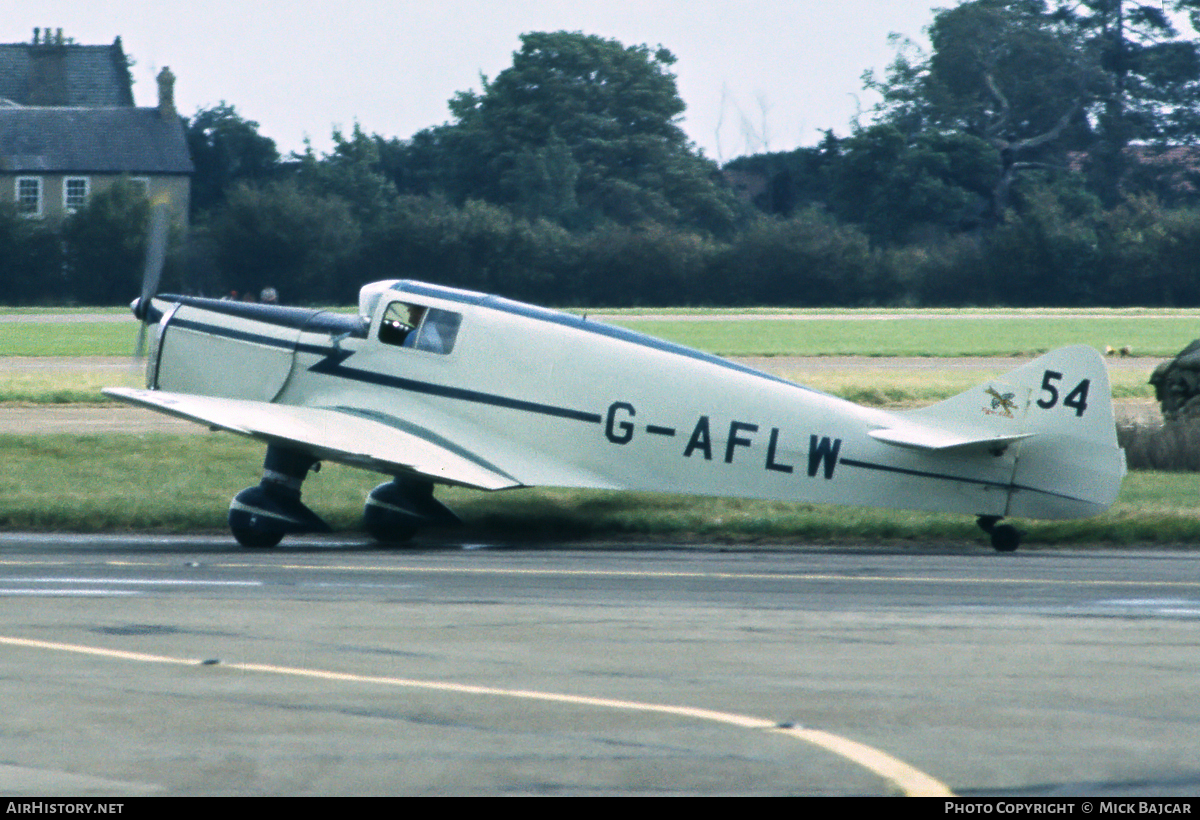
{"x":433,"y":385}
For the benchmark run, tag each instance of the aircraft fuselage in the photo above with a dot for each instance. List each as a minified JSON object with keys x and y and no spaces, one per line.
{"x":554,"y":399}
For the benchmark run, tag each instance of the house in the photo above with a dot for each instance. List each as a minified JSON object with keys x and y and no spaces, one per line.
{"x":1175,"y":169}
{"x":69,"y":129}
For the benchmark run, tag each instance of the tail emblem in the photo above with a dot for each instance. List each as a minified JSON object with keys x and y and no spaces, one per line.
{"x":1004,"y":403}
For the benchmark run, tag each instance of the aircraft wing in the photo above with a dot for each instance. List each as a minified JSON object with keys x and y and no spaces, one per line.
{"x":342,"y":435}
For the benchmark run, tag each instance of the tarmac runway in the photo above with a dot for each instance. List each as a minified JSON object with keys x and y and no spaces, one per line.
{"x":180,"y":666}
{"x":185,"y":666}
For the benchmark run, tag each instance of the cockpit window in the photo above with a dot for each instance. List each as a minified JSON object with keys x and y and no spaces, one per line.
{"x":419,"y":327}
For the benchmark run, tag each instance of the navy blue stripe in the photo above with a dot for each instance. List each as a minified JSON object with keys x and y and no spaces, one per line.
{"x":335,"y":368}
{"x":309,"y":319}
{"x":256,"y":338}
{"x":866,"y":465}
{"x":230,"y":333}
{"x":887,"y":468}
{"x":318,"y":321}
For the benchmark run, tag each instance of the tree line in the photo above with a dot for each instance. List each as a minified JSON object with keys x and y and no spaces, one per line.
{"x":1039,"y":152}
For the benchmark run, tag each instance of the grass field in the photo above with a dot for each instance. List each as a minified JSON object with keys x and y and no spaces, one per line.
{"x":68,"y":387}
{"x":184,"y":483}
{"x":988,"y":334}
{"x":809,"y":333}
{"x":64,"y":338}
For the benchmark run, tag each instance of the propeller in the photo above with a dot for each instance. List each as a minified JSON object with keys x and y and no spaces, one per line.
{"x":156,"y":254}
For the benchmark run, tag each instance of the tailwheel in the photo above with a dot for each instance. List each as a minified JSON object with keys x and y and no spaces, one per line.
{"x":396,"y":511}
{"x":1005,"y":537}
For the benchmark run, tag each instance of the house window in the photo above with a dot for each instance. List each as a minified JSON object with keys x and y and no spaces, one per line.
{"x":75,"y":193}
{"x":140,"y":186}
{"x":29,"y":196}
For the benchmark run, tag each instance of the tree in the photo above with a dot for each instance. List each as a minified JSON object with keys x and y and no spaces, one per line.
{"x":1003,"y":71}
{"x":579,"y":129}
{"x":105,"y":246}
{"x":897,"y":188}
{"x":279,"y":235}
{"x":226,"y":149}
{"x":1152,"y":93}
{"x":794,"y":179}
{"x":33,"y":263}
{"x":806,"y":260}
{"x":353,"y":172}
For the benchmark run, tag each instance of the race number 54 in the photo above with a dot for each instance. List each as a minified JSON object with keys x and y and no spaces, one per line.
{"x":1076,"y":399}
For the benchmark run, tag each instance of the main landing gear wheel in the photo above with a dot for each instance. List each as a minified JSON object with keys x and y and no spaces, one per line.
{"x":255,"y":539}
{"x":395,"y":511}
{"x":260,"y":516}
{"x":386,"y":531}
{"x":1005,"y":537}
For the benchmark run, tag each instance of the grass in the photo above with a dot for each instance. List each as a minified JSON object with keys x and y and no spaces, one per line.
{"x":171,"y":483}
{"x":991,"y":333}
{"x":75,"y":338}
{"x":66,"y":386}
{"x":822,"y":333}
{"x":116,"y":312}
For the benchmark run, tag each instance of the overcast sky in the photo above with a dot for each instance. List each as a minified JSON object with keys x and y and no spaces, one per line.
{"x":755,"y":74}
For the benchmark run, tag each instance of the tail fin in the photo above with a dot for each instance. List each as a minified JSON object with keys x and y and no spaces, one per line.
{"x":1071,"y":466}
{"x":1054,"y":416}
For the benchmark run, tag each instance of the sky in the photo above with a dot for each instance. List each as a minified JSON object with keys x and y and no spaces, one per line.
{"x":756,"y":75}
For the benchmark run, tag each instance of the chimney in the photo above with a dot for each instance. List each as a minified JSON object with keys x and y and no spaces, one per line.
{"x":47,"y":70}
{"x":166,"y":95}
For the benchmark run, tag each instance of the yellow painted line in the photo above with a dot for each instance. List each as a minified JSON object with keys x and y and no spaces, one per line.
{"x":909,"y":780}
{"x":99,"y":651}
{"x":913,"y":782}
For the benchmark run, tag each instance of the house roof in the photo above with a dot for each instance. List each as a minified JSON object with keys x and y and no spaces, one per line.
{"x":92,"y":140}
{"x":1177,"y":165}
{"x":65,"y":74}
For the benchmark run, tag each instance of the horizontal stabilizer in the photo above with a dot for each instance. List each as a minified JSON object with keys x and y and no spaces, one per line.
{"x":931,"y":439}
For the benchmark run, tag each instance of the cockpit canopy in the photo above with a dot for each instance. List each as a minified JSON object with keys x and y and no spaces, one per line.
{"x":369,"y":296}
{"x":408,"y":324}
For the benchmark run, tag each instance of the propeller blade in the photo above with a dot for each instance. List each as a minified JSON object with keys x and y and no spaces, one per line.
{"x":156,"y":254}
{"x":156,"y":249}
{"x":139,"y":350}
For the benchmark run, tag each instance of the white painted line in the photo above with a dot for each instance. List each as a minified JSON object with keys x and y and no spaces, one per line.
{"x":119,"y":582}
{"x":910,"y":781}
{"x":90,"y":593}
